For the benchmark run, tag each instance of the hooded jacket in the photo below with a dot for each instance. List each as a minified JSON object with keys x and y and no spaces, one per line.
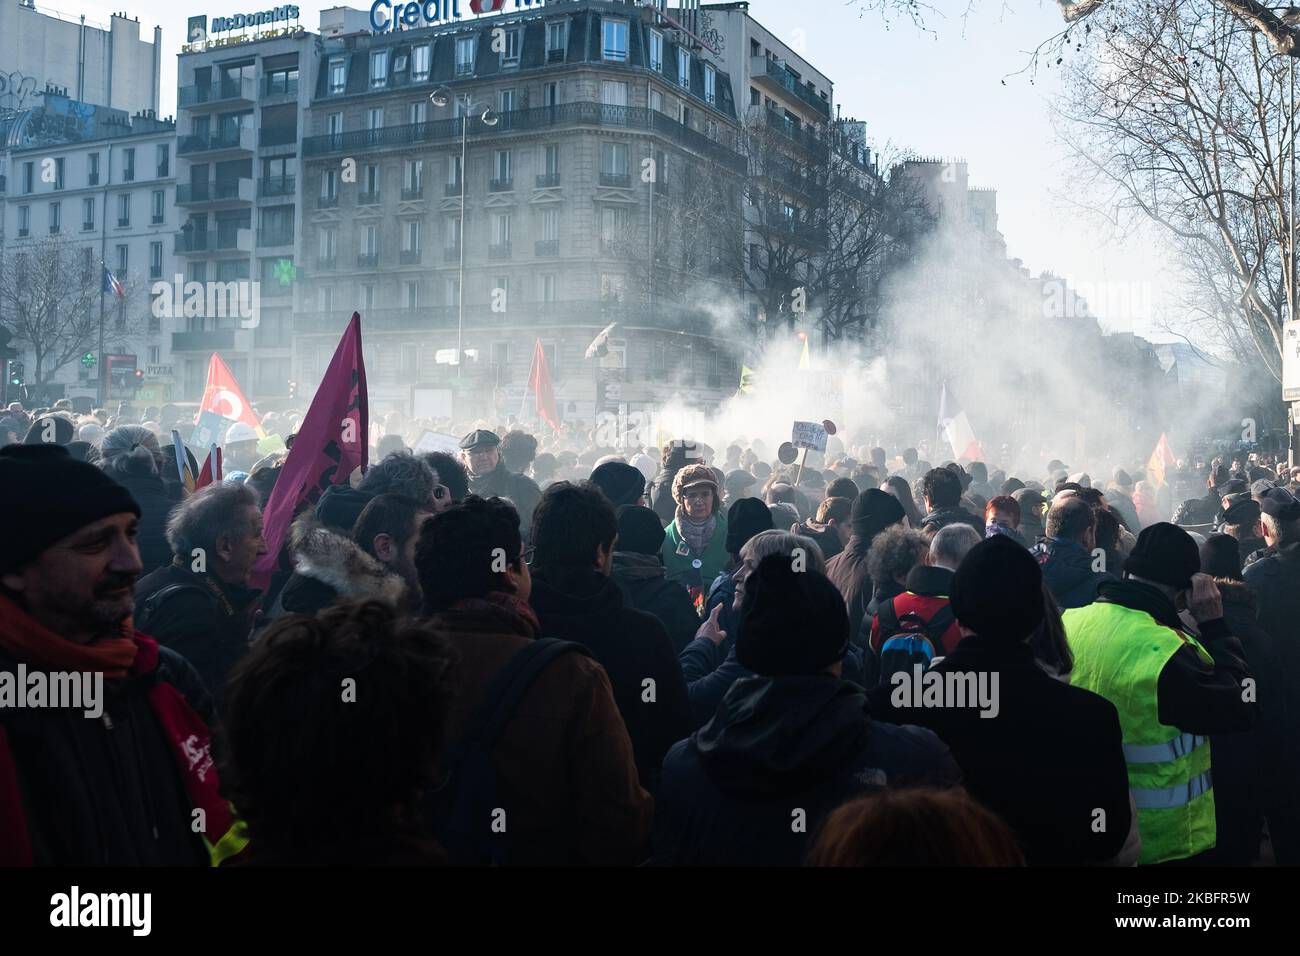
{"x":1068,"y":573}
{"x":582,"y":605}
{"x":775,"y":747}
{"x":646,"y":588}
{"x":942,"y":517}
{"x":328,"y":566}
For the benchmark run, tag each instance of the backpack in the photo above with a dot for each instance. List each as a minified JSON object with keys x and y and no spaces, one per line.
{"x":910,"y":640}
{"x":155,"y":601}
{"x":462,"y":808}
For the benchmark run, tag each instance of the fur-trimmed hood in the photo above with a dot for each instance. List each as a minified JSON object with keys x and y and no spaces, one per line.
{"x":329,"y":557}
{"x":1237,"y":592}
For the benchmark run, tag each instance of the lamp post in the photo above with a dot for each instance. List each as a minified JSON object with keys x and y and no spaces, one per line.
{"x":441,"y":97}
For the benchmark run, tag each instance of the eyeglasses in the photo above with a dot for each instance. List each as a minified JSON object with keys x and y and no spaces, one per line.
{"x":696,"y":495}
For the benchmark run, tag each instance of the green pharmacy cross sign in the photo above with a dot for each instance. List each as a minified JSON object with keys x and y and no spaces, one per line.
{"x":88,"y":360}
{"x":285,"y":272}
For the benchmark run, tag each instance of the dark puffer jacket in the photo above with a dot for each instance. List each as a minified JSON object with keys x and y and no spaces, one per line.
{"x":754,"y":785}
{"x":645,"y":588}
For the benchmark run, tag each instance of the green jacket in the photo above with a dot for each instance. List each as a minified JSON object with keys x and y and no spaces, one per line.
{"x":679,"y":560}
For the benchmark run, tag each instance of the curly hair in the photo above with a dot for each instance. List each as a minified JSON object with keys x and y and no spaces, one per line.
{"x":456,"y":552}
{"x":894,"y":552}
{"x":401,"y":473}
{"x":309,"y":755}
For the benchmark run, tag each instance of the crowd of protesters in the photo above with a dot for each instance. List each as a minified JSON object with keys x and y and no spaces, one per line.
{"x":553,"y":652}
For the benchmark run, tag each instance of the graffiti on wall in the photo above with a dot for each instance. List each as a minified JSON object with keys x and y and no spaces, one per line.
{"x":17,"y":90}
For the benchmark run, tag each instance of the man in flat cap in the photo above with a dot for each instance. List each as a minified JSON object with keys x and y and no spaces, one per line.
{"x":1239,"y":518}
{"x":489,"y":477}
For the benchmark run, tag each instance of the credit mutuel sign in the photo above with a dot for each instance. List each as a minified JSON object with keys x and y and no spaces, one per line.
{"x":387,"y":15}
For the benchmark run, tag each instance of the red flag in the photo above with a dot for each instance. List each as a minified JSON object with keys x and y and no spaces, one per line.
{"x":1162,"y":457}
{"x":331,"y":442}
{"x":223,"y":396}
{"x":539,"y":398}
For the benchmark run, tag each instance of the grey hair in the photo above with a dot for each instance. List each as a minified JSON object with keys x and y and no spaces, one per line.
{"x":771,"y":542}
{"x":131,"y":450}
{"x":208,"y":514}
{"x":401,"y":473}
{"x":951,"y":543}
{"x":1280,"y":532}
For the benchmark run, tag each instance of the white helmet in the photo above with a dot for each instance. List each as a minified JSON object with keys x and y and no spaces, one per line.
{"x":240,"y":431}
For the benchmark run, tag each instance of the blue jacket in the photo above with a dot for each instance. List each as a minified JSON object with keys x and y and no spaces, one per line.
{"x":1068,"y":573}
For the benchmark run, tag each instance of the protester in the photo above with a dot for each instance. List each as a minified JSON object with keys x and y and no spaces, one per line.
{"x":1199,"y":513}
{"x":695,"y":545}
{"x":1172,"y":687}
{"x":1002,"y":516}
{"x":676,"y":455}
{"x":450,"y":471}
{"x":239,"y":449}
{"x":893,"y":555}
{"x":73,"y":794}
{"x":915,"y":826}
{"x":831,"y":528}
{"x":574,"y":530}
{"x":202,"y":604}
{"x":1046,"y":757}
{"x":1240,"y":518}
{"x":401,"y":473}
{"x":130,"y":456}
{"x":941,"y":489}
{"x":564,"y":769}
{"x":345,"y":787}
{"x":489,"y":476}
{"x":621,"y":483}
{"x":518,"y":451}
{"x":1068,"y":559}
{"x":873,"y":512}
{"x":746,"y":517}
{"x":638,"y":569}
{"x":788,"y":745}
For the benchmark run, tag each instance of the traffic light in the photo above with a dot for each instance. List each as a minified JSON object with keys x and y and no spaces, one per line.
{"x":16,"y":372}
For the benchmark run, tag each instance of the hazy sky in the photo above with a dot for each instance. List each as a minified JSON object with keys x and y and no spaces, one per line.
{"x":937,"y":92}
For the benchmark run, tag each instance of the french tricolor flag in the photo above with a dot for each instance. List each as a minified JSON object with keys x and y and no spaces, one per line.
{"x":112,"y":284}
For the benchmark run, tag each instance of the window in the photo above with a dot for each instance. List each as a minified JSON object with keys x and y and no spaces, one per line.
{"x":155,"y":260}
{"x":683,"y":68}
{"x":368,"y":295}
{"x":156,"y":207}
{"x":375,"y":118}
{"x":501,"y":166}
{"x":87,"y":214}
{"x":755,"y":98}
{"x":370,"y":241}
{"x":505,"y":101}
{"x":546,"y":290}
{"x":420,"y":59}
{"x":329,"y":185}
{"x":162,"y":159}
{"x":551,"y":94}
{"x":656,"y":101}
{"x":501,"y":229}
{"x":124,"y":209}
{"x":283,"y":81}
{"x":155,"y":354}
{"x":453,"y":171}
{"x":329,"y":243}
{"x":128,"y":165}
{"x":58,"y":173}
{"x":550,"y":224}
{"x":92,"y":177}
{"x":613,"y":160}
{"x":399,"y":64}
{"x":611,"y":287}
{"x":710,"y":84}
{"x":327,"y":298}
{"x":613,"y":223}
{"x":755,"y":49}
{"x":684,"y":114}
{"x":501,"y":292}
{"x":122,"y":261}
{"x":413,"y":176}
{"x":338,"y":75}
{"x":465,"y":55}
{"x":334,"y":124}
{"x":451,"y":292}
{"x":412,"y":295}
{"x":614,"y":35}
{"x":372,"y":179}
{"x":411,"y":235}
{"x":378,"y":69}
{"x":556,"y":35}
{"x":418,"y":112}
{"x":453,"y":233}
{"x":29,"y":176}
{"x":510,"y":55}
{"x":613,"y":93}
{"x":656,"y":51}
{"x":24,"y":220}
{"x":551,"y":159}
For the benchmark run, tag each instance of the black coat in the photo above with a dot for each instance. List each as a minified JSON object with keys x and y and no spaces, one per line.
{"x":156,"y":502}
{"x":848,"y":572}
{"x":206,"y":622}
{"x":645,"y":588}
{"x":1275,"y":579}
{"x":1051,"y":756}
{"x":661,"y":494}
{"x":501,"y":482}
{"x":942,"y":517}
{"x":583,"y":605}
{"x":776,"y":746}
{"x":1068,"y":574}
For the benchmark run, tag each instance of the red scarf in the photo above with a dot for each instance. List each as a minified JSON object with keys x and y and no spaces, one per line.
{"x":31,"y":642}
{"x":500,"y":600}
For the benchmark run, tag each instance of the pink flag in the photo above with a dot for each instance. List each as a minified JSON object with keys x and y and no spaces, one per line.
{"x":539,"y":398}
{"x":331,"y":442}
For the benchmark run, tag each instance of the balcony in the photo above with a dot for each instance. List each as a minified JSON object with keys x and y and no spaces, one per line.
{"x":499,"y":250}
{"x":452,"y":189}
{"x":409,"y":257}
{"x":775,"y":78}
{"x":600,"y":115}
{"x":327,"y":202}
{"x":55,"y":229}
{"x":231,"y":191}
{"x":616,"y":180}
{"x":213,"y":241}
{"x":545,"y":248}
{"x":275,"y":237}
{"x":229,"y":142}
{"x":501,"y":185}
{"x":216,"y":340}
{"x":24,"y":233}
{"x":277,"y":135}
{"x":548,"y":180}
{"x":87,"y":227}
{"x":409,"y":195}
{"x":801,"y":136}
{"x":326,"y":263}
{"x":225,"y":92}
{"x":123,"y":223}
{"x":367,"y":260}
{"x":555,"y":55}
{"x":269,"y":186}
{"x":368,"y":199}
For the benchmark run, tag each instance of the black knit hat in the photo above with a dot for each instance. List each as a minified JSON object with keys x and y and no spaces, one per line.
{"x":791,"y":622}
{"x":997,"y":591}
{"x":1164,"y":553}
{"x":621,"y":483}
{"x":340,"y":507}
{"x":1239,"y":509}
{"x":745,"y":518}
{"x":53,"y":495}
{"x":639,"y":530}
{"x":1280,"y":504}
{"x":1221,"y":556}
{"x":873,"y":512}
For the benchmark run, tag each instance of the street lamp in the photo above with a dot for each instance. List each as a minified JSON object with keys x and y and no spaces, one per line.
{"x":441,"y":97}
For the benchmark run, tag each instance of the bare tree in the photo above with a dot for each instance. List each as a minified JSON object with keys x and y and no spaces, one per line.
{"x":49,"y":301}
